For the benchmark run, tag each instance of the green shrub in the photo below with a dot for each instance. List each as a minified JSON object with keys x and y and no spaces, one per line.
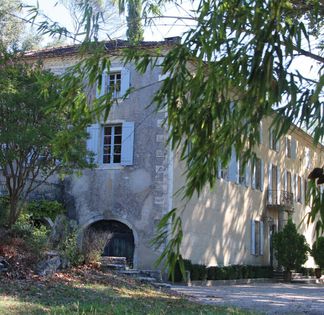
{"x":70,"y":250}
{"x":290,"y":247}
{"x":178,"y":277}
{"x":318,"y":251}
{"x":233,"y":272}
{"x":39,"y":209}
{"x":23,"y":227}
{"x":35,"y":237}
{"x":198,"y":272}
{"x":4,"y":210}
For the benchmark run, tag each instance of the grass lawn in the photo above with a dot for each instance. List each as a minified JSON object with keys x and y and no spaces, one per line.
{"x":86,"y":291}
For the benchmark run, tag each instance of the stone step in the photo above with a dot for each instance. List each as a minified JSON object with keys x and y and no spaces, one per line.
{"x":113,"y":260}
{"x":113,"y":267}
{"x":161,"y":285}
{"x":130,"y":272}
{"x":146,"y":279}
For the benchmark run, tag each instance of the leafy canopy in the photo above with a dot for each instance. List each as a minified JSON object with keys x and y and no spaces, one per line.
{"x":39,"y":136}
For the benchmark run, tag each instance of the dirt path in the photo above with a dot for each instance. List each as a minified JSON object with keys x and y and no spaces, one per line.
{"x":269,"y":298}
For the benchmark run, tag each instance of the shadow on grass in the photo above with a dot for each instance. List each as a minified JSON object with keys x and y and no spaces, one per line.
{"x":30,"y":297}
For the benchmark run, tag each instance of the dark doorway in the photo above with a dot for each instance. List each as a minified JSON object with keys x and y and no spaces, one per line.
{"x":120,"y":241}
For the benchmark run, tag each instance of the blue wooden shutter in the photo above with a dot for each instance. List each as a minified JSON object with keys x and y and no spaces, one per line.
{"x":238,"y":171}
{"x":302,"y":193}
{"x":127,"y":149}
{"x":285,"y":180}
{"x":252,"y":237}
{"x":219,"y":169}
{"x":253,"y":173}
{"x":270,"y":183}
{"x":278,"y":184}
{"x":270,"y":138}
{"x":232,"y":167}
{"x":262,"y":175}
{"x":104,"y":82}
{"x":248,"y":173}
{"x":293,"y":149}
{"x":93,"y":140}
{"x":261,"y":238}
{"x":125,"y":81}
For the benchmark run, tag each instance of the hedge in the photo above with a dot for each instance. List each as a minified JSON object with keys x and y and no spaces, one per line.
{"x":200,"y":272}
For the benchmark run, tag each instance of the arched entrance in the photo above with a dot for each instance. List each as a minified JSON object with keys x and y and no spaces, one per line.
{"x":120,"y":239}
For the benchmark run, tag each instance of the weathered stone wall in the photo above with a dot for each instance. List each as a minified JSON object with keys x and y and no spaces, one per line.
{"x":135,"y":195}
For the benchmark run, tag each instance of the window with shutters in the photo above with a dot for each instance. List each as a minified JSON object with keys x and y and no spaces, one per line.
{"x":299,"y":189}
{"x":114,"y":84}
{"x":241,"y":173}
{"x":273,"y":143}
{"x":224,"y":173}
{"x":288,"y":147}
{"x":257,"y":175}
{"x":288,"y":182}
{"x":112,"y":143}
{"x":257,"y":237}
{"x":307,"y":199}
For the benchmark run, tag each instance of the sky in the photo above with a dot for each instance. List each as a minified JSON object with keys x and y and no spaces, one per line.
{"x":158,"y":30}
{"x":116,"y":27}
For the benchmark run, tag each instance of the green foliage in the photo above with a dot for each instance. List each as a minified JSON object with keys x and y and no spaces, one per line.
{"x":39,"y":209}
{"x":69,"y":248}
{"x":318,"y":251}
{"x":23,"y":227}
{"x":4,"y":210}
{"x":35,"y":237}
{"x":200,"y":272}
{"x":316,"y":215}
{"x":39,"y":136}
{"x":290,"y":247}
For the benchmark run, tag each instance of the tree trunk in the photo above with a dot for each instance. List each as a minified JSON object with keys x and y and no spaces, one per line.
{"x":14,"y":211}
{"x":287,"y":274}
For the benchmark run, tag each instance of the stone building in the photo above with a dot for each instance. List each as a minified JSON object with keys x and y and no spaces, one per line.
{"x":137,"y":175}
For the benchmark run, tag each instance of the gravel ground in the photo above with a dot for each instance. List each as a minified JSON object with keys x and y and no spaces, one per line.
{"x":268,"y":298}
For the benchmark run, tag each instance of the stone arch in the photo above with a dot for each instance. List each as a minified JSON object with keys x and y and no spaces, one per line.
{"x":121,"y":231}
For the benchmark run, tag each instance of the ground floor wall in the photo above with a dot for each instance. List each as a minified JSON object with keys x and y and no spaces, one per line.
{"x":231,"y":224}
{"x":128,"y":198}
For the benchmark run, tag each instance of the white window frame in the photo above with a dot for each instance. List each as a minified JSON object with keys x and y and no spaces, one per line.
{"x":112,"y":144}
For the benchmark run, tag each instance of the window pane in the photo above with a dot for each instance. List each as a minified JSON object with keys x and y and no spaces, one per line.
{"x":107,"y":131}
{"x":117,"y":158}
{"x":106,"y":159}
{"x":117,"y":149}
{"x":118,"y":130}
{"x":106,"y":150}
{"x":117,"y":140}
{"x":107,"y":140}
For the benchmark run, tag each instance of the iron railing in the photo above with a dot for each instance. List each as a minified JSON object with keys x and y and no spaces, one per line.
{"x":280,"y":198}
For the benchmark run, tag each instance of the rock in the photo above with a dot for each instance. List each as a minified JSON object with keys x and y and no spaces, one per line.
{"x":65,"y":263}
{"x":59,"y":230}
{"x":4,"y":265}
{"x":49,"y":266}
